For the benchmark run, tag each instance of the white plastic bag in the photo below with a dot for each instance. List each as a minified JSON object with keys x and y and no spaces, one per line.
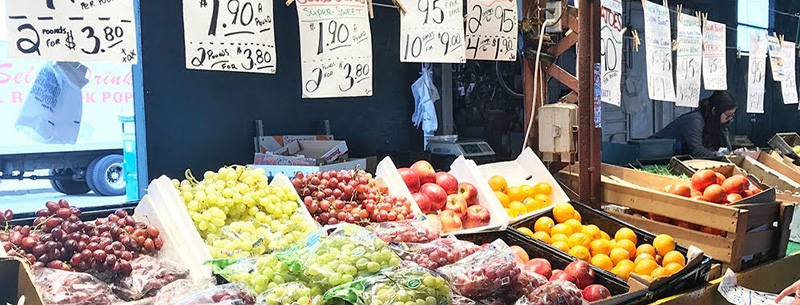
{"x":425,"y":94}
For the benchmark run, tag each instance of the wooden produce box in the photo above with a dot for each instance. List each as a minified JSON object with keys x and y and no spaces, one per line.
{"x":749,"y":236}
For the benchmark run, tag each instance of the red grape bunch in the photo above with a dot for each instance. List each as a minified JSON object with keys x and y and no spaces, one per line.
{"x":435,"y":254}
{"x":349,"y":196}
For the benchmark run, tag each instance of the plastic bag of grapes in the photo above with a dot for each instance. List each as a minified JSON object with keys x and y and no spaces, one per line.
{"x":435,"y":254}
{"x":228,"y":294}
{"x":405,"y":284}
{"x":407,"y":231}
{"x":260,"y":273}
{"x":290,"y":293}
{"x":68,"y":288}
{"x":491,"y":270}
{"x":558,"y":292}
{"x":149,"y":275}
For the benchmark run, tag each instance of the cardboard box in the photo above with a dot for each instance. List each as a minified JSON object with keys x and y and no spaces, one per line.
{"x":306,"y":153}
{"x":273,"y":143}
{"x":17,"y":280}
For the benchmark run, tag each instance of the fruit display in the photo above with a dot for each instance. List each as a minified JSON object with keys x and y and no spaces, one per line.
{"x":521,"y":199}
{"x":72,"y":288}
{"x":442,"y":197}
{"x":488,"y":271}
{"x":558,"y":292}
{"x":349,"y":197}
{"x":289,"y":293}
{"x":400,"y":285}
{"x":229,"y":294}
{"x":148,"y":277}
{"x":407,"y":231}
{"x":435,"y":254}
{"x":622,"y":255}
{"x":239,"y":214}
{"x":258,"y":273}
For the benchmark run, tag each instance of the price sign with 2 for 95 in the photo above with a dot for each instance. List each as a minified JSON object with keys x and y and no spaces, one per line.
{"x":335,"y":48}
{"x":432,"y":31}
{"x":74,"y":30}
{"x":229,"y":35}
{"x":492,"y":30}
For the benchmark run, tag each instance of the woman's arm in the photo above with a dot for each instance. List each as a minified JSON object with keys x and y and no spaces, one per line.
{"x":694,"y":139}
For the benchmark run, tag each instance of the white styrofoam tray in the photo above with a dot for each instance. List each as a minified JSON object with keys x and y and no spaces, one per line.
{"x":467,"y":171}
{"x":388,"y":174}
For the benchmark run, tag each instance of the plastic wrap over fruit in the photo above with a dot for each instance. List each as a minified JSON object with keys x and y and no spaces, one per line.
{"x":527,"y":282}
{"x":291,"y":293}
{"x":68,"y":288}
{"x":258,"y":273}
{"x":490,"y":271}
{"x":148,"y":276}
{"x":228,"y":294}
{"x":407,"y":231}
{"x":435,"y":254}
{"x":404,"y":284}
{"x":557,"y":292}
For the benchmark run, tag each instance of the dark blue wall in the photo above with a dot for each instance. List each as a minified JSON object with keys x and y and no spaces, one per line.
{"x":203,"y":120}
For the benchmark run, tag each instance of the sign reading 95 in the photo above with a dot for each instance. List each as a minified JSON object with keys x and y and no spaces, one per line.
{"x":432,"y":31}
{"x":492,"y":30}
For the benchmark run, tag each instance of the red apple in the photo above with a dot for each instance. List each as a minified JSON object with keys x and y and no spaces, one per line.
{"x":424,"y":171}
{"x":436,"y":194}
{"x":457,"y":204}
{"x":423,"y":202}
{"x":448,"y":182}
{"x":450,"y":221}
{"x":469,"y":192}
{"x":561,"y":275}
{"x":582,"y":271}
{"x":595,"y":293}
{"x":410,"y":178}
{"x":540,"y":266}
{"x":520,"y":254}
{"x":477,"y":216}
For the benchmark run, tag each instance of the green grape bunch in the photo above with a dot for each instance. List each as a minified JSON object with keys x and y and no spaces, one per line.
{"x":403,"y":285}
{"x":260,"y":273}
{"x":293,"y":293}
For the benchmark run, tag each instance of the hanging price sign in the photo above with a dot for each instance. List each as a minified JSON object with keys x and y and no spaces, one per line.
{"x":715,"y":69}
{"x":658,"y":43}
{"x":335,"y":48}
{"x":432,"y":31}
{"x":690,"y":56}
{"x":789,"y":83}
{"x":611,"y":51}
{"x":87,"y":30}
{"x":755,"y":74}
{"x":492,"y":30}
{"x":229,"y":35}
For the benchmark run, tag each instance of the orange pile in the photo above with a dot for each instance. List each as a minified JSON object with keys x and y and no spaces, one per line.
{"x":522,"y":199}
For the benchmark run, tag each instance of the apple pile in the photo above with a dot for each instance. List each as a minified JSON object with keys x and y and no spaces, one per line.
{"x":537,"y":273}
{"x":441,"y":195}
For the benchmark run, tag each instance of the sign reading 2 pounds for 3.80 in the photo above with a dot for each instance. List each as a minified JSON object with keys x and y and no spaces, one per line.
{"x":492,"y":30}
{"x":229,"y":35}
{"x":335,"y":48}
{"x":432,"y":31}
{"x":59,"y":30}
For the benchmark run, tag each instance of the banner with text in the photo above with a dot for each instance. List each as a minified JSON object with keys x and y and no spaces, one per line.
{"x":755,"y":74}
{"x":229,"y":35}
{"x":775,"y":58}
{"x":690,"y":55}
{"x":72,"y":30}
{"x":492,"y":30}
{"x":658,"y":44}
{"x":335,"y":48}
{"x":715,"y":68}
{"x":611,"y":51}
{"x":789,"y":83}
{"x":432,"y":31}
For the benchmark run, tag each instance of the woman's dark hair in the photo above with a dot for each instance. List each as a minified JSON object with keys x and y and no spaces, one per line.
{"x":712,"y":108}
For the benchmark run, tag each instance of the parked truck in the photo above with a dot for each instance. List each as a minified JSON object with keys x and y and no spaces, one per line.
{"x":95,"y":161}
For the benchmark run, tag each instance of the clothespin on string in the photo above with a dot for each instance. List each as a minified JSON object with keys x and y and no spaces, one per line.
{"x":400,"y":6}
{"x":738,"y":53}
{"x":636,"y":40}
{"x":666,"y":4}
{"x":371,"y":11}
{"x":679,"y":11}
{"x":289,"y":2}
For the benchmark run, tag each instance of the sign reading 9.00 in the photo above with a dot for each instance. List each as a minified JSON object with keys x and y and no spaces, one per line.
{"x":75,"y":30}
{"x":432,"y":31}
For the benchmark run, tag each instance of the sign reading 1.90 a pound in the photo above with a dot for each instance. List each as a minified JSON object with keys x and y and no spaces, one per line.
{"x":492,"y":30}
{"x":75,"y":30}
{"x":432,"y":31}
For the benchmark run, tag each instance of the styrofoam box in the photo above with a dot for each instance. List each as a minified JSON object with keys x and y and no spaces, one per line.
{"x":388,"y":174}
{"x":467,"y":171}
{"x":526,"y":169}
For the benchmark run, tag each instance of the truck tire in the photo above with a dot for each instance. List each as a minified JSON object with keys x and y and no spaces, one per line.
{"x":106,"y":176}
{"x":68,"y":187}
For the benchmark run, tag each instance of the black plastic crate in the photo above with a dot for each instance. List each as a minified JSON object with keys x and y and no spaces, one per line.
{"x":87,"y":213}
{"x":684,"y":280}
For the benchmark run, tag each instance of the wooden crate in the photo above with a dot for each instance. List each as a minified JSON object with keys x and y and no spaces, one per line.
{"x":750,"y":237}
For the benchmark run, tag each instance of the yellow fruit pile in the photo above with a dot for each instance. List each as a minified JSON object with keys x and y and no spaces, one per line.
{"x":620,"y":255}
{"x":522,"y":199}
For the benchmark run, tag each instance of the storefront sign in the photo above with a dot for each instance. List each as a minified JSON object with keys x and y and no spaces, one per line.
{"x":690,"y":52}
{"x":335,"y":48}
{"x":611,"y":50}
{"x":229,"y":35}
{"x":432,"y":31}
{"x":492,"y":30}
{"x":658,"y":43}
{"x":775,"y":58}
{"x":715,"y":68}
{"x":72,"y":30}
{"x":755,"y":74}
{"x":789,"y":83}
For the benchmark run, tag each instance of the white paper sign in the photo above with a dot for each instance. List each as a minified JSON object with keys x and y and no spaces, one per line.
{"x":715,"y":68}
{"x":789,"y":83}
{"x":755,"y":74}
{"x":432,"y":31}
{"x":658,"y":41}
{"x":335,"y":48}
{"x":492,"y":30}
{"x":72,"y":30}
{"x":229,"y":35}
{"x":690,"y":55}
{"x":775,"y":58}
{"x":611,"y":51}
{"x":731,"y":291}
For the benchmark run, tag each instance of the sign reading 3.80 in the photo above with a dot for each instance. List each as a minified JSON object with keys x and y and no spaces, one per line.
{"x":432,"y":31}
{"x":72,"y":30}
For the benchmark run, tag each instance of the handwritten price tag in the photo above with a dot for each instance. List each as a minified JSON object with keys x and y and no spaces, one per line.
{"x":432,"y":31}
{"x":78,"y":30}
{"x":755,"y":74}
{"x":229,"y":35}
{"x":611,"y":51}
{"x":658,"y":42}
{"x":775,"y":58}
{"x":336,"y":48}
{"x":715,"y":68}
{"x":492,"y":30}
{"x":789,"y":83}
{"x":690,"y":50}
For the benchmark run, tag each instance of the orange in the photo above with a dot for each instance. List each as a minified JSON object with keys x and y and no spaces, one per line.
{"x":581,"y":253}
{"x":602,"y":261}
{"x":622,"y":271}
{"x":527,"y":190}
{"x":575,"y":225}
{"x":627,"y":263}
{"x":663,"y":244}
{"x":543,"y":188}
{"x":563,"y":211}
{"x":498,"y":183}
{"x":592,"y":231}
{"x":644,"y":256}
{"x":525,"y":231}
{"x":646,"y":248}
{"x":530,"y":205}
{"x":674,"y":257}
{"x":604,"y":235}
{"x":577,"y":216}
{"x":645,"y":267}
{"x":544,"y":199}
{"x":543,"y":224}
{"x":626,"y":233}
{"x":628,"y":246}
{"x":515,"y":194}
{"x":600,"y":246}
{"x":618,"y":255}
{"x":578,"y":239}
{"x":561,"y":245}
{"x":673,"y":267}
{"x":561,"y":229}
{"x":542,"y":236}
{"x":503,"y":198}
{"x":660,"y":272}
{"x":559,"y":237}
{"x":516,"y":208}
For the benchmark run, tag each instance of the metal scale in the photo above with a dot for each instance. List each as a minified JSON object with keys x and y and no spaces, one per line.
{"x":445,"y":149}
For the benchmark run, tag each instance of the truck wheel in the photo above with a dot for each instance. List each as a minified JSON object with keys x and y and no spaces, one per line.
{"x":106,"y":176}
{"x":68,"y":187}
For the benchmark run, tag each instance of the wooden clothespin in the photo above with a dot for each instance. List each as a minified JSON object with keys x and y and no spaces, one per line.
{"x":644,"y":3}
{"x":289,"y":2}
{"x":399,"y":6}
{"x":679,"y":11}
{"x":467,"y":16}
{"x":666,"y":4}
{"x":675,"y":43}
{"x":371,"y":11}
{"x":636,"y":40}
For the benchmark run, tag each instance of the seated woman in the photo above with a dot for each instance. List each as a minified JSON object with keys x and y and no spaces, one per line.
{"x":703,"y":133}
